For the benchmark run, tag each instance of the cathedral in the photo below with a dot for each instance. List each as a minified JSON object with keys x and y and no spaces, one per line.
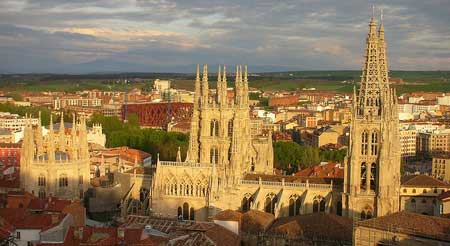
{"x":57,"y":163}
{"x":372,"y":171}
{"x":229,"y":164}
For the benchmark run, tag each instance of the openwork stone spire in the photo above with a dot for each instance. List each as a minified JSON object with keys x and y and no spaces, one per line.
{"x":370,"y":94}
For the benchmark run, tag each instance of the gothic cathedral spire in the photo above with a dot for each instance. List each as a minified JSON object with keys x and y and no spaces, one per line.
{"x":372,"y":168}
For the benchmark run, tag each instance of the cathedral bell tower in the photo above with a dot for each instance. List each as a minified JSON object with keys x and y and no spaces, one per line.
{"x":372,"y":165}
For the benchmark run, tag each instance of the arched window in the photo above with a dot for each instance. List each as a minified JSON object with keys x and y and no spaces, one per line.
{"x":295,"y":204}
{"x":270,"y":202}
{"x":185,"y":211}
{"x":214,"y":155}
{"x":363,"y":176}
{"x":191,"y":213}
{"x":373,"y":176}
{"x":63,"y":180}
{"x":247,"y":202}
{"x":366,"y":213}
{"x":41,"y":180}
{"x":214,"y":128}
{"x":364,"y":142}
{"x":424,"y":190}
{"x":322,"y":205}
{"x":229,"y":154}
{"x":369,"y":215}
{"x":180,"y":213}
{"x":414,"y":191}
{"x":315,"y":206}
{"x":374,"y":144}
{"x":230,"y":128}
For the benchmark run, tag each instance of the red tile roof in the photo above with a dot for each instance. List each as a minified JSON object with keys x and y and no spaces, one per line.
{"x":330,"y":170}
{"x":423,"y":181}
{"x":228,"y":215}
{"x":256,"y":221}
{"x":412,"y":224}
{"x":39,"y":221}
{"x":325,"y":225}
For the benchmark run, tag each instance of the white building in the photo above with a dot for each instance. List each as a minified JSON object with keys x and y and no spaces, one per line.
{"x":161,"y":85}
{"x":14,"y":122}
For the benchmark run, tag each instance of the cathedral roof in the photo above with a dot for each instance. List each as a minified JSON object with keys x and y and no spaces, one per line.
{"x":279,"y":178}
{"x":422,"y":181}
{"x":412,"y":224}
{"x":325,"y":225}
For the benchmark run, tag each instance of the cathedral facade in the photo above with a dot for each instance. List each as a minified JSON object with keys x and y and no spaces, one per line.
{"x":55,"y":164}
{"x":229,"y":163}
{"x":372,"y":171}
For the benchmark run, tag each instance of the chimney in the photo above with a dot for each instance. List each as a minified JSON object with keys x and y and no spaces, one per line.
{"x":78,"y":233}
{"x":55,"y":218}
{"x":121,"y":232}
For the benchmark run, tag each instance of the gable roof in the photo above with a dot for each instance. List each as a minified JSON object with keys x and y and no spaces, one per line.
{"x":423,"y":181}
{"x":412,"y":224}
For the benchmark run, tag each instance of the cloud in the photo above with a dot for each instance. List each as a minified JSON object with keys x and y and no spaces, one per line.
{"x":165,"y":34}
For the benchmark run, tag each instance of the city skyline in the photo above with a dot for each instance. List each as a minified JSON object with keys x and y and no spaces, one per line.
{"x":165,"y":36}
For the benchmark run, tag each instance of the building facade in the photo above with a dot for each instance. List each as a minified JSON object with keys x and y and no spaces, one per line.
{"x":229,"y":164}
{"x":372,"y":172}
{"x":56,"y":164}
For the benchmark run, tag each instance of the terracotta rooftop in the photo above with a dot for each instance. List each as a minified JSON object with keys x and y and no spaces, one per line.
{"x":412,"y":224}
{"x":256,"y":221}
{"x":422,"y":181}
{"x":315,"y":225}
{"x":228,"y":215}
{"x":39,"y":221}
{"x":330,"y":170}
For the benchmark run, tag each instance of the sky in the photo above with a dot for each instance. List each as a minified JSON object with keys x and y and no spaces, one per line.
{"x":86,"y":36}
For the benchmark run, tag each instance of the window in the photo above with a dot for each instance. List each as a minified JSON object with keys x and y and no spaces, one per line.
{"x":374,"y":144}
{"x":63,"y":181}
{"x":363,"y":176}
{"x":315,"y":206}
{"x":373,"y":176}
{"x":364,"y":142}
{"x":185,"y":211}
{"x":424,"y":190}
{"x":414,"y":191}
{"x":270,"y":203}
{"x":80,"y":179}
{"x":18,"y":235}
{"x":247,"y":202}
{"x":295,"y":204}
{"x":81,"y":194}
{"x":214,"y":128}
{"x":322,"y":205}
{"x":214,"y":155}
{"x":42,"y":194}
{"x":404,"y":190}
{"x":41,"y":180}
{"x":230,"y":128}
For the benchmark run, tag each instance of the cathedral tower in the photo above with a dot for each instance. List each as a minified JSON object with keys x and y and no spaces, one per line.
{"x":372,"y":171}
